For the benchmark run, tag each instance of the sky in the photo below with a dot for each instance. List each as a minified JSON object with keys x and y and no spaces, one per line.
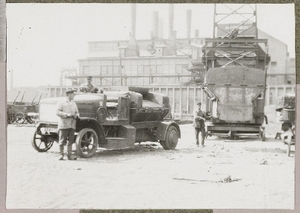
{"x":42,"y":39}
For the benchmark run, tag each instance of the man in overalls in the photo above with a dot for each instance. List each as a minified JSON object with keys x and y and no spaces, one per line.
{"x":199,"y":124}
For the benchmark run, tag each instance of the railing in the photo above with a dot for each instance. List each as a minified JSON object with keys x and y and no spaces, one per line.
{"x":183,"y":99}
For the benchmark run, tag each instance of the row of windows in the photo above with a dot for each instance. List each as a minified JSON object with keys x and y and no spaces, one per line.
{"x":134,"y":62}
{"x":134,"y":70}
{"x":141,"y":81}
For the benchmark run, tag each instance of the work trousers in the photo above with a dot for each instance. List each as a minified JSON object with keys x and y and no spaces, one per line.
{"x":197,"y":131}
{"x":66,"y":136}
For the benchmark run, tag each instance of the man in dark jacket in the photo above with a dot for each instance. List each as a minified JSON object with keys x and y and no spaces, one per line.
{"x":199,"y":124}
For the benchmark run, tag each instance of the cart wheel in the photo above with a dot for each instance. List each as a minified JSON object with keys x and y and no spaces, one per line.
{"x":288,"y":150}
{"x":20,"y":118}
{"x":29,"y":120}
{"x":40,"y":143}
{"x":86,"y":142}
{"x":10,"y":119}
{"x":171,"y":138}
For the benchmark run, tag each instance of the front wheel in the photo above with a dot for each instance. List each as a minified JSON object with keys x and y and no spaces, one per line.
{"x":86,"y":142}
{"x":41,"y":143}
{"x":171,"y":139}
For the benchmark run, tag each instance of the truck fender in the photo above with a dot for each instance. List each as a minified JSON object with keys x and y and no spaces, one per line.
{"x":163,"y":128}
{"x":91,"y":123}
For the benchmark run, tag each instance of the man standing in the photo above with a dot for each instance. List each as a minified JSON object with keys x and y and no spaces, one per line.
{"x":68,"y":112}
{"x":88,"y":87}
{"x":199,"y":124}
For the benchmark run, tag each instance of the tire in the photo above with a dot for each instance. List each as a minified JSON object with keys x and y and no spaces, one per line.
{"x":40,"y":143}
{"x":86,"y":142}
{"x":171,"y":138}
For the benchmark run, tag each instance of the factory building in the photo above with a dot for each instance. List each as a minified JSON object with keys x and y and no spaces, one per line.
{"x":164,"y":65}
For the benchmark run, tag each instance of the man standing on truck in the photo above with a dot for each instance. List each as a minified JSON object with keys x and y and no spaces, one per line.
{"x":199,"y":124}
{"x":68,"y":112}
{"x":88,"y":87}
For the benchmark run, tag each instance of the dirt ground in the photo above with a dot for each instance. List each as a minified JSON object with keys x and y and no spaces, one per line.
{"x":241,"y":174}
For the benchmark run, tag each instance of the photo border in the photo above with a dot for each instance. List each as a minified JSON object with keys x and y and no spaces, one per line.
{"x":3,"y":114}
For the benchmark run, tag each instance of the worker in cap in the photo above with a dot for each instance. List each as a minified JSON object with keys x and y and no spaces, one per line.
{"x":199,"y":124}
{"x":88,"y":87}
{"x":68,"y":112}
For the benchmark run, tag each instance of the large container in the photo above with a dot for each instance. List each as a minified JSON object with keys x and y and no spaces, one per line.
{"x":236,"y":94}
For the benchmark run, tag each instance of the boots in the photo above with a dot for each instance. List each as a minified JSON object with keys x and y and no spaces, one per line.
{"x":61,"y":152}
{"x":70,"y":156}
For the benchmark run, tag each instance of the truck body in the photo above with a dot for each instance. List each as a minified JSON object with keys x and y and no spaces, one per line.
{"x":116,"y":119}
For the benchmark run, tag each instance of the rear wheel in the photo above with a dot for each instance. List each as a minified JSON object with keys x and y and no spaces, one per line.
{"x":171,"y":138}
{"x":86,"y":142}
{"x":40,"y":143}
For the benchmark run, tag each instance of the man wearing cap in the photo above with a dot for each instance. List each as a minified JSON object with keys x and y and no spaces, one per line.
{"x":88,"y":87}
{"x":68,"y":112}
{"x":199,"y":124}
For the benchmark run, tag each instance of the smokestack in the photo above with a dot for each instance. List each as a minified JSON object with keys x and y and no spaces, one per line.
{"x":133,"y":20}
{"x":188,"y":23}
{"x":155,"y":24}
{"x":171,"y":20}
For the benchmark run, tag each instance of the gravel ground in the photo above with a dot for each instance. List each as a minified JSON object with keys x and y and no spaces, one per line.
{"x":241,"y":174}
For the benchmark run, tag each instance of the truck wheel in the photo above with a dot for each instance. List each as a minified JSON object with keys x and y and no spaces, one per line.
{"x":86,"y":142}
{"x":171,"y":138}
{"x":40,"y":143}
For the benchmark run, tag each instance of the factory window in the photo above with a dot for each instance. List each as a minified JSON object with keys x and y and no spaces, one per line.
{"x":85,"y":70}
{"x":172,"y":68}
{"x":98,"y":71}
{"x":152,"y":69}
{"x":140,"y":69}
{"x":178,"y":68}
{"x":159,"y":69}
{"x":289,"y":82}
{"x":152,"y":62}
{"x":117,"y":62}
{"x":166,"y":68}
{"x":110,"y":70}
{"x":116,"y":70}
{"x":133,"y":70}
{"x":159,"y":62}
{"x":103,"y":70}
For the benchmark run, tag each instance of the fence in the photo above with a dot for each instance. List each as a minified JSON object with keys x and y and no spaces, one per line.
{"x":183,"y":99}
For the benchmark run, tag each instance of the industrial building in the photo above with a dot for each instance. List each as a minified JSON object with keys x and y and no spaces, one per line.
{"x":166,"y":65}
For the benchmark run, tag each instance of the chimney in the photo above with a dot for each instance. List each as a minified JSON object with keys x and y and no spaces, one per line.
{"x":133,"y":20}
{"x":188,"y":23}
{"x":155,"y":24}
{"x":171,"y":20}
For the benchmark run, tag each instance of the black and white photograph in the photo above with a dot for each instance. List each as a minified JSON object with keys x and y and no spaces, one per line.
{"x":150,"y":106}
